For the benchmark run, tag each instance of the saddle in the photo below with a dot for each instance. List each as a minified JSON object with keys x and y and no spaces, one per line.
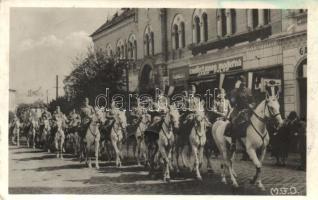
{"x":239,"y":124}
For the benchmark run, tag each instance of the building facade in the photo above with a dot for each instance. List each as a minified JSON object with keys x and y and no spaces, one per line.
{"x":211,"y":48}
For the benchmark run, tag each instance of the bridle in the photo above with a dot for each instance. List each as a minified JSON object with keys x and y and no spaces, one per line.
{"x":263,"y":120}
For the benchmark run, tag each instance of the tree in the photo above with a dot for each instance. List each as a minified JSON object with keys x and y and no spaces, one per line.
{"x":92,"y":75}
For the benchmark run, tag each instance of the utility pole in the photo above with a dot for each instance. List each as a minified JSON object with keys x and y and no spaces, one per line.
{"x":57,"y":86}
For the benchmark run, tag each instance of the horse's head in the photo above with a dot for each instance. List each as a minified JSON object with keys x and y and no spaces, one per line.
{"x":145,"y":118}
{"x":272,"y":110}
{"x":175,"y":115}
{"x":200,"y":118}
{"x":120,"y":117}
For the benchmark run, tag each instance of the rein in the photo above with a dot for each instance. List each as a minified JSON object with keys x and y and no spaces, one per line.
{"x":169,"y":128}
{"x":263,"y":120}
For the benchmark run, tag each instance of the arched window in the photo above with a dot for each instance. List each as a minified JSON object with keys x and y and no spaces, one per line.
{"x":132,"y":51}
{"x":182,"y":34}
{"x":135,"y":49}
{"x":120,"y":49}
{"x":197,"y":29}
{"x":267,"y":16}
{"x":255,"y":17}
{"x":178,"y":32}
{"x":147,"y":44}
{"x":205,"y":26}
{"x":108,"y":50}
{"x":233,"y":20}
{"x":176,"y":36}
{"x":152,"y":40}
{"x":149,"y":41}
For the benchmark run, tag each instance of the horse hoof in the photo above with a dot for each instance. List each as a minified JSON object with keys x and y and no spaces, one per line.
{"x":199,"y":178}
{"x":224,"y":180}
{"x":97,"y":167}
{"x":235,"y":185}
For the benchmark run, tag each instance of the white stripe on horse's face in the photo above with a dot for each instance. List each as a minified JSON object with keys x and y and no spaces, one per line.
{"x":274,"y":109}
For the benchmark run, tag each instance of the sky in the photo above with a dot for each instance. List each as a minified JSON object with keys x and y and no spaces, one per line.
{"x":43,"y":44}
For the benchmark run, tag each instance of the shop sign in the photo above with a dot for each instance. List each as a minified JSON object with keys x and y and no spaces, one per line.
{"x":178,"y":75}
{"x":217,"y":67}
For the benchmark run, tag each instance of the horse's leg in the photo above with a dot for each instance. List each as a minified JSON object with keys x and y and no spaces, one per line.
{"x":18,"y":137}
{"x":259,"y":181}
{"x":96,"y":153}
{"x":231,"y":171}
{"x":163,"y":153}
{"x":114,"y":143}
{"x":56,"y":141}
{"x":197,"y":162}
{"x":251,"y":152}
{"x":62,"y":145}
{"x":33,"y":140}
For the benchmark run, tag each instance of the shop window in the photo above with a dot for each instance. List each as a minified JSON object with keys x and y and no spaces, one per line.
{"x":182,"y":34}
{"x":205,"y":26}
{"x":197,"y":29}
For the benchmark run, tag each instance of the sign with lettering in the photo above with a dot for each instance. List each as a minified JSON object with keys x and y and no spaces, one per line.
{"x":178,"y":75}
{"x":217,"y":67}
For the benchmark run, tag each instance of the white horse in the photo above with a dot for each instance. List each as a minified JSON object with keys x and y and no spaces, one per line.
{"x":59,"y":137}
{"x":92,"y":137}
{"x":197,"y":139}
{"x":116,"y":133}
{"x":31,"y":134}
{"x":166,"y":139}
{"x":44,"y":140}
{"x":257,"y":138}
{"x":144,"y":122}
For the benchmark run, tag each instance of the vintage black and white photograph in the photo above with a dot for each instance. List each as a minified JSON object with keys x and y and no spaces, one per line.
{"x":157,"y":101}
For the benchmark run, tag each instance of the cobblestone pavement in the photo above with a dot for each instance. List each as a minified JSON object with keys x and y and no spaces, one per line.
{"x":35,"y":171}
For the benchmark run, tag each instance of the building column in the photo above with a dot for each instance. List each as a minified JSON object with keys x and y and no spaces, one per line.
{"x":194,"y":34}
{"x":250,"y":18}
{"x":228,"y":21}
{"x":219,"y":26}
{"x":260,"y":17}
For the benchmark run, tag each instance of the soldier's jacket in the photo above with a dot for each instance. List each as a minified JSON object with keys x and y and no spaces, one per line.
{"x":47,"y":115}
{"x":222,"y":106}
{"x":75,"y":119}
{"x":192,"y":103}
{"x":86,"y":114}
{"x":241,"y":98}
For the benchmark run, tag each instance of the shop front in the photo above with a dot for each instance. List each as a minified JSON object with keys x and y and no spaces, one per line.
{"x":216,"y":74}
{"x":178,"y":77}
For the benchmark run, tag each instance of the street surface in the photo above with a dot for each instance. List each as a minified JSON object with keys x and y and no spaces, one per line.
{"x":37,"y":172}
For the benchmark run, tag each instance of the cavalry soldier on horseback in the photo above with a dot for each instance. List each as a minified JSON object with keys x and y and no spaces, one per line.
{"x":222,"y":106}
{"x":75,"y":121}
{"x":243,"y":102}
{"x":192,"y":103}
{"x":86,"y":114}
{"x":46,"y":114}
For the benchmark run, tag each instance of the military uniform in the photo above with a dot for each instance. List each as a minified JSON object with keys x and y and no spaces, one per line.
{"x":241,"y":99}
{"x":222,"y":108}
{"x":87,"y":112}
